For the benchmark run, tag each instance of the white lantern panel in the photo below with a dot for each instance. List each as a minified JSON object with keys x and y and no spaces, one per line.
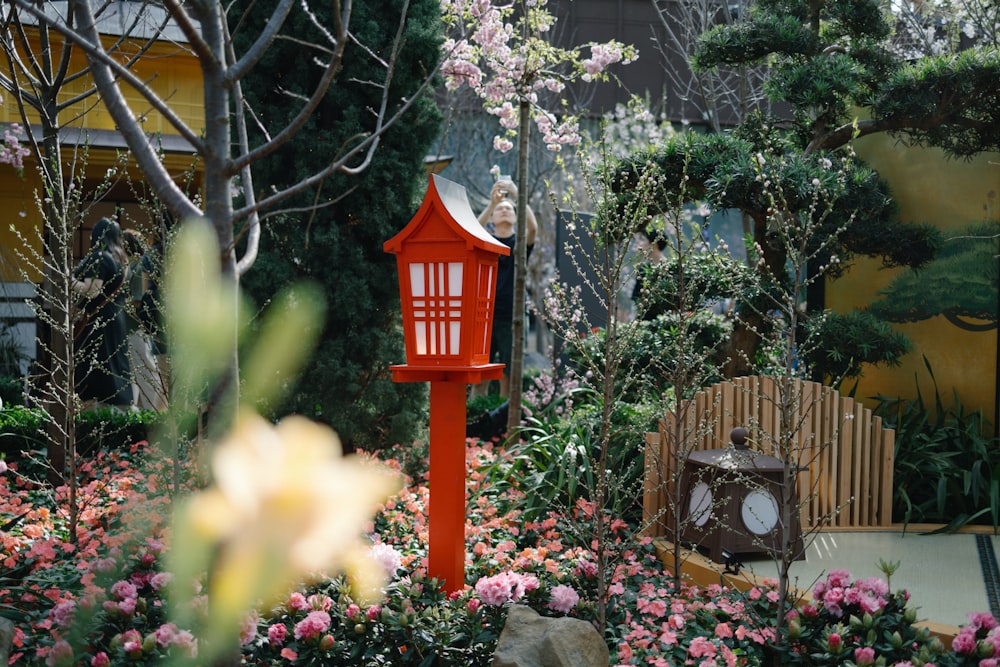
{"x":700,"y":505}
{"x":420,"y":329}
{"x":455,"y":270}
{"x":436,"y":297}
{"x":417,"y":288}
{"x":759,"y":512}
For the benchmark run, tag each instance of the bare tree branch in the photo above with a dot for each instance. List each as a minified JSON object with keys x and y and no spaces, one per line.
{"x":239,"y":68}
{"x":89,"y":39}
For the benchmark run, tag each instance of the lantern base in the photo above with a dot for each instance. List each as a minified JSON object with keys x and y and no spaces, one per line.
{"x":459,"y":374}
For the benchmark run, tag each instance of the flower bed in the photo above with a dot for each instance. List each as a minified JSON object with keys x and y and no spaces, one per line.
{"x":102,"y":601}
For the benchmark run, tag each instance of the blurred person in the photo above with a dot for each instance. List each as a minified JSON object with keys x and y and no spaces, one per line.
{"x":650,"y":243}
{"x":500,"y":220}
{"x":103,"y":376}
{"x":147,"y":387}
{"x":150,"y":311}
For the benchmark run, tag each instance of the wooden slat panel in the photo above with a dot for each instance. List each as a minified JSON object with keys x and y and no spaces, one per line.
{"x":807,"y":452}
{"x":868,"y":467}
{"x":887,"y":459}
{"x":845,"y":407}
{"x":652,"y":496}
{"x":841,"y":449}
{"x":831,"y":435}
{"x":860,"y":469}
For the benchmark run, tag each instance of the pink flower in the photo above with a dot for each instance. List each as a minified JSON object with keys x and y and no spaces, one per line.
{"x":248,"y":628}
{"x":123,"y":590}
{"x":495,"y":590}
{"x":320,"y":602}
{"x":61,"y":654}
{"x":981,"y":620}
{"x":3,"y":466}
{"x":585,"y":568}
{"x":473,"y":605}
{"x":314,"y":624}
{"x":864,"y":656}
{"x":100,"y":660}
{"x":654,"y":608}
{"x":833,"y":642}
{"x":127,"y":606}
{"x":165,"y":634}
{"x":701,"y":648}
{"x":723,"y":631}
{"x":387,"y":557}
{"x":564,"y":598}
{"x":502,"y":144}
{"x":289,"y":654}
{"x":160,"y":580}
{"x":276,"y":634}
{"x":297,"y":602}
{"x":839,"y":578}
{"x":624,"y":653}
{"x":62,"y":613}
{"x":186,"y":642}
{"x":522,"y":583}
{"x":964,"y":642}
{"x":132,"y":643}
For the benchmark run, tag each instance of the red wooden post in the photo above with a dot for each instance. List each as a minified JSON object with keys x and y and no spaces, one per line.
{"x":446,"y":554}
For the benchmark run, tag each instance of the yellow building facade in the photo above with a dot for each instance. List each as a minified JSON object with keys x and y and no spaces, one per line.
{"x":89,"y":135}
{"x":90,"y":147}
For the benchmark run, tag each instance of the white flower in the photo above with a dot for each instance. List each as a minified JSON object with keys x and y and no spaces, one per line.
{"x":387,"y":557}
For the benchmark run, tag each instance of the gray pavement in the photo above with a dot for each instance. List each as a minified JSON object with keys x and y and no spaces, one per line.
{"x":947,"y":576}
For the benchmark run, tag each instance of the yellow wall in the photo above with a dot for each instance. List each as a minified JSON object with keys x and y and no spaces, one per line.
{"x":172,"y":71}
{"x":949,"y":194}
{"x":169,"y":69}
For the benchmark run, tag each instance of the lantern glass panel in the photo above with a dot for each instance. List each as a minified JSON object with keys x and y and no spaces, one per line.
{"x":436,"y":295}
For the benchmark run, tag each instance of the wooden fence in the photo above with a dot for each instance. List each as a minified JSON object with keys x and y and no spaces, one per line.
{"x":844,"y":454}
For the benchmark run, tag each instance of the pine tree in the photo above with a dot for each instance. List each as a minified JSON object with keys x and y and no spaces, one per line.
{"x":833,"y":68}
{"x":339,"y":244}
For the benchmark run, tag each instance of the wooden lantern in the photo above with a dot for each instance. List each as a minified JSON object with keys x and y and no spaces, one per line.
{"x":731,"y":502}
{"x":447,"y":285}
{"x":447,"y":268}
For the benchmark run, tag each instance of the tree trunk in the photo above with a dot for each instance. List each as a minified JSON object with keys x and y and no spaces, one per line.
{"x":520,"y":271}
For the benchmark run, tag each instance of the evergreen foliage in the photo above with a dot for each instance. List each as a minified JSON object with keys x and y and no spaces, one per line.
{"x":339,"y":244}
{"x":835,"y":74}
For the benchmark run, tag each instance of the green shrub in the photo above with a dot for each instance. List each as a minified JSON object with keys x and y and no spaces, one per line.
{"x":657,"y":346}
{"x":947,"y":470}
{"x":846,"y":342}
{"x":112,"y":429}
{"x":22,"y":429}
{"x":555,"y":461}
{"x":477,"y":405}
{"x":11,"y":390}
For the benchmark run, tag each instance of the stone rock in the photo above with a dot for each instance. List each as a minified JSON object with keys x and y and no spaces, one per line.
{"x":531,"y":640}
{"x":6,"y":639}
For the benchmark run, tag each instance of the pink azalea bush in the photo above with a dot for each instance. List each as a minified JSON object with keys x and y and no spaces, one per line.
{"x":101,"y":600}
{"x":862,"y":623}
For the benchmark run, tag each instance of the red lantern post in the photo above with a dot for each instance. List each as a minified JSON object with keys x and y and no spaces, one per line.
{"x":447,"y":267}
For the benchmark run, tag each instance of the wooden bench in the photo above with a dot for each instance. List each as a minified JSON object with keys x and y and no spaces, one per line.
{"x":844,"y":453}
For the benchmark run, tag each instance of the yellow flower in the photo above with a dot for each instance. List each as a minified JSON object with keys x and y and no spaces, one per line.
{"x":285,"y":504}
